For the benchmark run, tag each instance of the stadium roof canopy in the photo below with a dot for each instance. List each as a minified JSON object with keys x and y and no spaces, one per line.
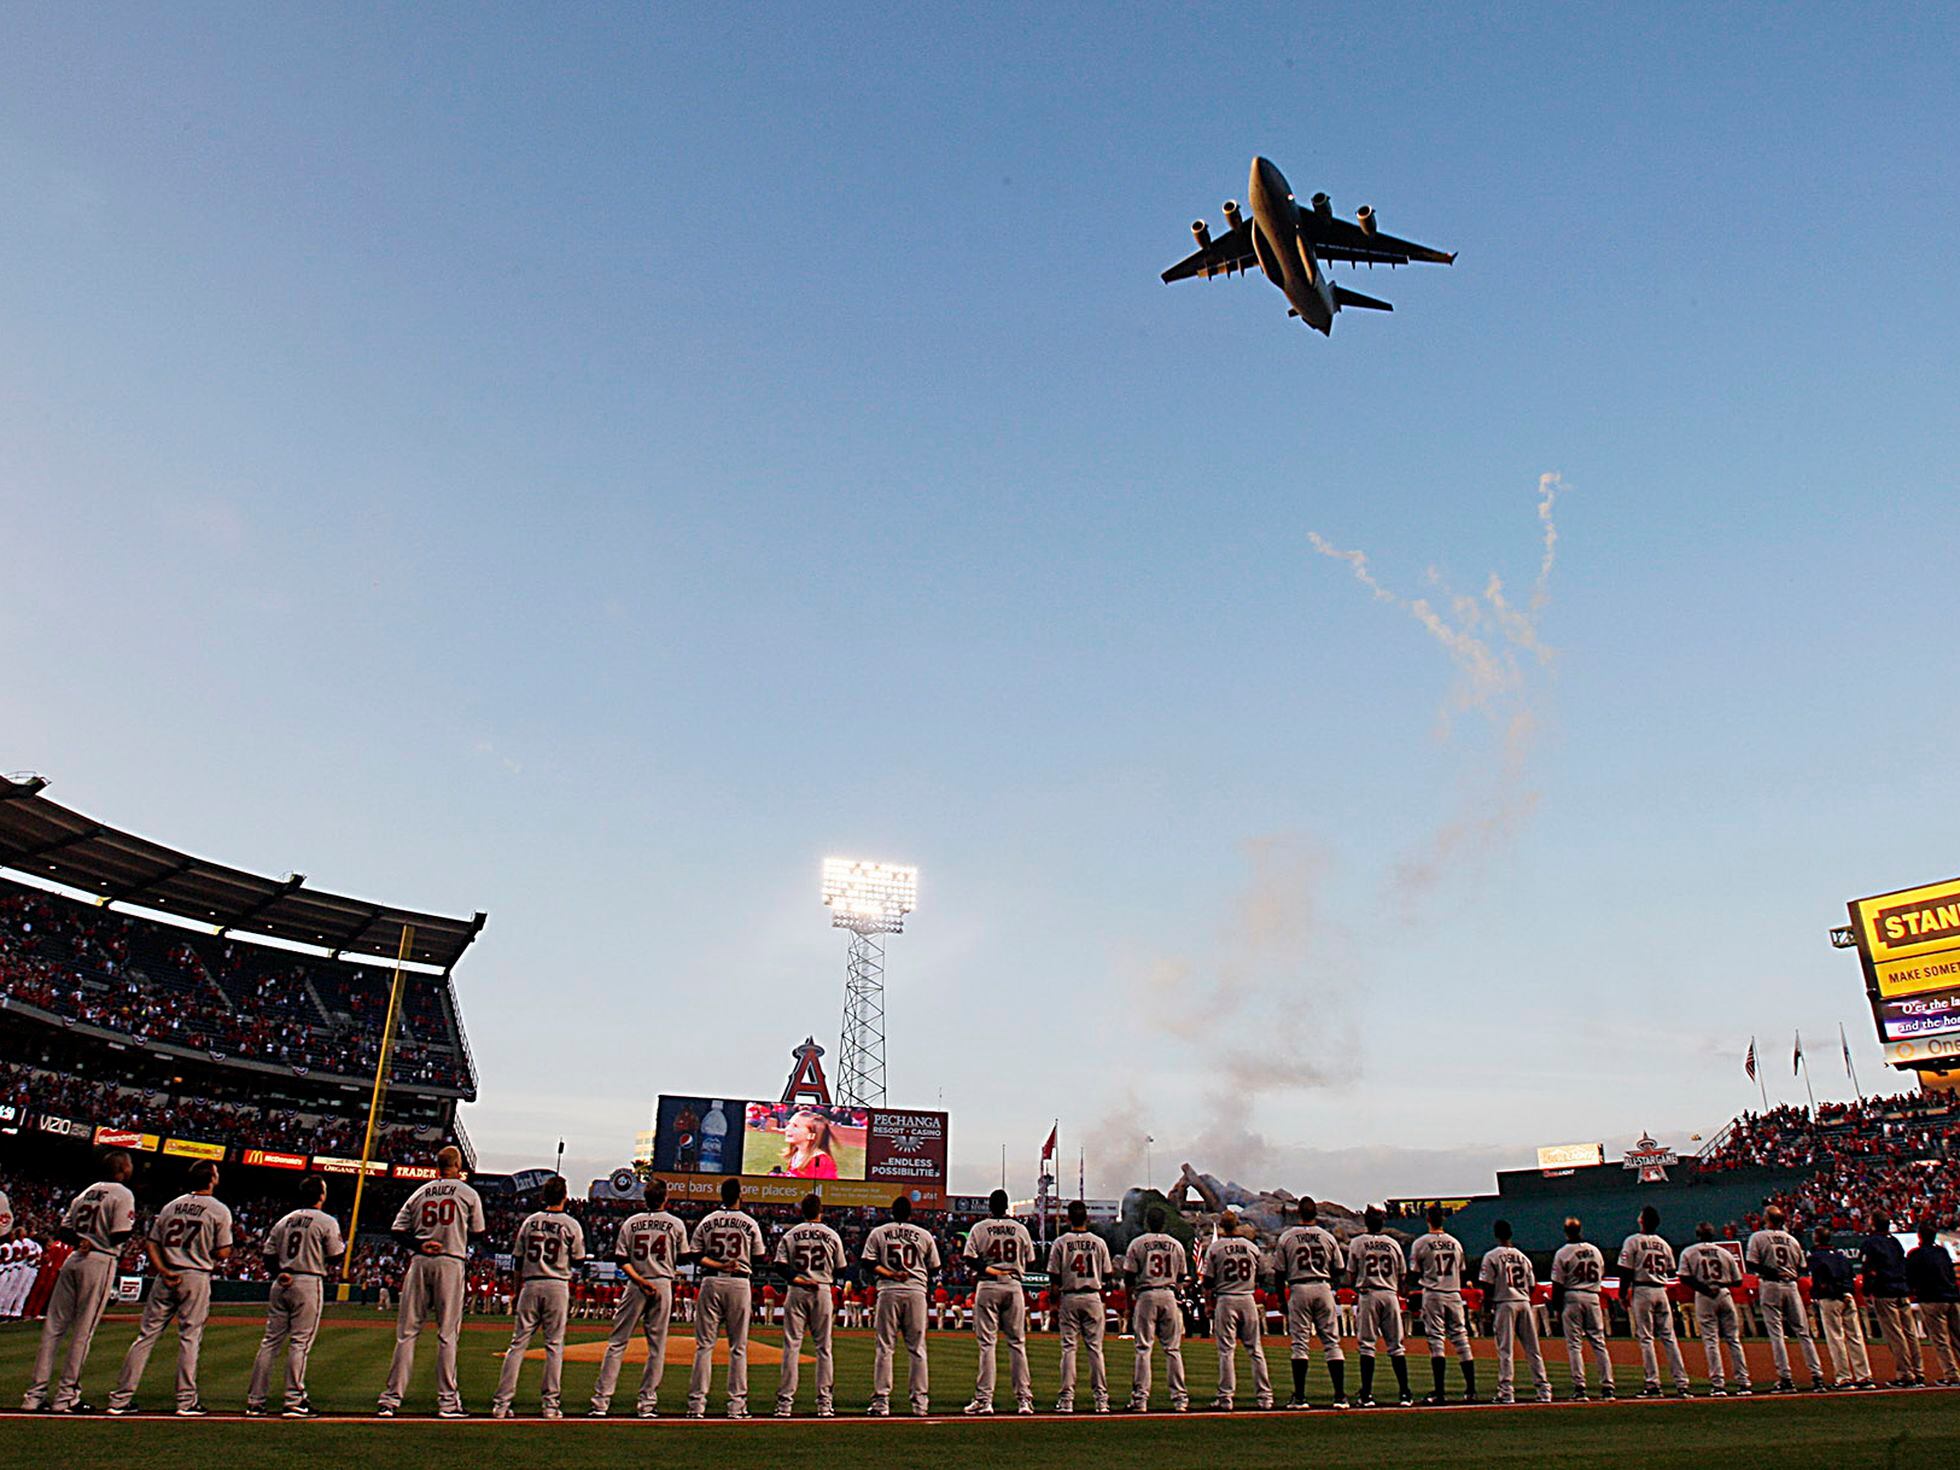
{"x":40,"y":837}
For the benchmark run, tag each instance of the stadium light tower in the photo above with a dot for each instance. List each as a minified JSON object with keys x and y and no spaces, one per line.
{"x":870,"y":900}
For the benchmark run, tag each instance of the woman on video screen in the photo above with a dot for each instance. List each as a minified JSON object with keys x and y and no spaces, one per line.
{"x":807,"y":1147}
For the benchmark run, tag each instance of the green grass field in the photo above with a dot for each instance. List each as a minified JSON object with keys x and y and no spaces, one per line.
{"x":1841,"y":1431}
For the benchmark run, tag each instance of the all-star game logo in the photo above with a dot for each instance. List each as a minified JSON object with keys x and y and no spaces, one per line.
{"x":1651,"y":1158}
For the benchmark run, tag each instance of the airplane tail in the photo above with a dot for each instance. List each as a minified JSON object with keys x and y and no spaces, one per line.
{"x":1346,"y":297}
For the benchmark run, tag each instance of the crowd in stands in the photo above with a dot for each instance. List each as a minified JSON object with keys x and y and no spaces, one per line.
{"x":1897,"y":1156}
{"x":223,"y":997}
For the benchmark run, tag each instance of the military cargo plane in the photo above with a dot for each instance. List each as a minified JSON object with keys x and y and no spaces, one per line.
{"x":1290,"y":244}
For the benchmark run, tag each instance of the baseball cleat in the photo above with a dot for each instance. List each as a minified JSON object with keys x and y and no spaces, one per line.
{"x":1298,"y":1403}
{"x":384,"y":1411}
{"x":1682,"y":1391}
{"x":119,"y":1411}
{"x":554,"y":1412}
{"x":738,"y":1411}
{"x":191,"y":1411}
{"x":1263,"y":1405}
{"x":976,"y":1407}
{"x":1341,"y":1404}
{"x":825,"y":1411}
{"x":649,"y":1412}
{"x":1544,"y":1395}
{"x":1718,"y":1392}
{"x":255,"y":1411}
{"x":1784,"y":1385}
{"x":1221,"y":1406}
{"x":1506,"y":1399}
{"x":1064,"y":1406}
{"x":454,"y":1411}
{"x":1366,"y":1401}
{"x":1606,"y":1390}
{"x":1578,"y":1395}
{"x":1405,"y":1402}
{"x":1651,"y":1391}
{"x":784,"y":1409}
{"x":78,"y":1407}
{"x":877,"y":1410}
{"x":1434,"y":1400}
{"x":697,"y":1413}
{"x":297,"y":1411}
{"x":1025,"y":1406}
{"x":1102,"y":1406}
{"x":500,"y":1411}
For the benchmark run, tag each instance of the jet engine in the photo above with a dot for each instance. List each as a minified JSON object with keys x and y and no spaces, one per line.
{"x":1322,"y":204}
{"x":1233,"y":219}
{"x":1201,"y":232}
{"x":1365,"y":217}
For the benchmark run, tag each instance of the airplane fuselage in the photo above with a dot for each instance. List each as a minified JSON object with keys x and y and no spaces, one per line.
{"x":1286,"y":259}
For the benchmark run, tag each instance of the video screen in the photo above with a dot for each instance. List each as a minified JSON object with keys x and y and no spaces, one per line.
{"x":805,"y":1141}
{"x":698,"y":1135}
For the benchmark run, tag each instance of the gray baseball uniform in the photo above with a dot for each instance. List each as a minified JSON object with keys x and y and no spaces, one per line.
{"x":1308,"y":1257}
{"x":191,"y":1233}
{"x":1651,"y":1260}
{"x":98,"y":1216}
{"x":900,"y":1309}
{"x":815,"y":1254}
{"x":1438,"y":1258}
{"x":1578,"y":1269}
{"x":445,"y":1213}
{"x":1080,"y":1265}
{"x":1510,"y":1282}
{"x":1716,"y":1318}
{"x":1376,"y":1264}
{"x":723,"y":1302}
{"x":1157,"y":1263}
{"x":1779,"y":1260}
{"x":652,"y":1243}
{"x":1000,"y":1306}
{"x":1232,"y":1265}
{"x":299,"y":1250}
{"x":548,"y":1245}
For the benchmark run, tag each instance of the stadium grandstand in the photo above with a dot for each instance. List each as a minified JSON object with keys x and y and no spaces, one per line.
{"x":181,"y":1009}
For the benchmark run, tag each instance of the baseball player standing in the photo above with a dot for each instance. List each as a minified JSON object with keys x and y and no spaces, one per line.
{"x":1157,"y":1264}
{"x":549,"y":1244}
{"x":189,"y":1236}
{"x":1713,"y":1272}
{"x":1647,"y":1262}
{"x":1438,"y":1261}
{"x":902,"y":1256}
{"x":96,"y":1223}
{"x":727,"y":1244}
{"x":1308,"y":1257}
{"x":436,"y":1223}
{"x":648,"y":1248}
{"x":813,"y":1254}
{"x":1376,"y":1264}
{"x":1577,"y":1271}
{"x":1778,"y":1258}
{"x":1001,"y":1251}
{"x":299,"y":1251}
{"x":1079,"y":1263}
{"x":1232,"y":1266}
{"x":1509,"y":1285}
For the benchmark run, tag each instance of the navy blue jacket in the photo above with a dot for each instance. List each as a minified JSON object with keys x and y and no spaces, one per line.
{"x":1885,"y":1267}
{"x":1831,"y":1276}
{"x":1930,"y":1271}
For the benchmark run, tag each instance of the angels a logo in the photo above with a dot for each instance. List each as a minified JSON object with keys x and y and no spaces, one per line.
{"x":1651,"y":1158}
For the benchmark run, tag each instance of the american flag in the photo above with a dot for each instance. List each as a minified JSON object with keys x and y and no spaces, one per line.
{"x":1749,"y":1062}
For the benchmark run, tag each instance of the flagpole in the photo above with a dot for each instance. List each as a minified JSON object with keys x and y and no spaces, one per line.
{"x":1803,"y":1065}
{"x":1849,"y":1065}
{"x":1755,"y":1070}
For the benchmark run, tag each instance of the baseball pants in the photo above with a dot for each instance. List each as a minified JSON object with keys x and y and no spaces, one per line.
{"x":1311,"y":1313}
{"x":1515,"y":1324}
{"x":808,"y":1311}
{"x":1000,"y":1314}
{"x":431,"y":1287}
{"x":722,"y":1305}
{"x":1156,"y":1317}
{"x":1378,"y":1319}
{"x":188,"y":1304}
{"x":896,"y":1314}
{"x":1783,"y":1313}
{"x":1082,"y":1327}
{"x":1237,"y":1320}
{"x":1720,"y":1327}
{"x":638,"y":1310}
{"x":1844,"y":1336}
{"x":1942,"y":1323}
{"x":1584,"y":1324}
{"x":1896,"y":1326}
{"x":1653,"y":1322}
{"x":292,"y":1320}
{"x":81,"y":1291}
{"x":1444,"y":1323}
{"x":542,"y":1307}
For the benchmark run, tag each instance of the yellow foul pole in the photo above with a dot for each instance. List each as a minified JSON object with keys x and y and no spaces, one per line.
{"x":374,"y":1104}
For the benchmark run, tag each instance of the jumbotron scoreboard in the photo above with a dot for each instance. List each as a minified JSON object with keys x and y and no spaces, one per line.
{"x":1909,"y":944}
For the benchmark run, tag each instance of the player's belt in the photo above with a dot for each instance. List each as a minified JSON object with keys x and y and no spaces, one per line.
{"x":1307,"y":1281}
{"x":1083,"y":1291}
{"x":713,"y":1273}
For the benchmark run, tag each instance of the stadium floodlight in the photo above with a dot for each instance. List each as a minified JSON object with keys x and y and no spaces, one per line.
{"x":868,"y":899}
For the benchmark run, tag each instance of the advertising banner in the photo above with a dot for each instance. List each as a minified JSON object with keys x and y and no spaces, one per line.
{"x":698,"y":1135}
{"x":1910,"y":940}
{"x":192,"y":1148}
{"x":118,"y":1138}
{"x":266,"y":1159}
{"x":1917,"y":1017}
{"x":328,"y":1164}
{"x":423,"y":1172}
{"x":1935,"y":1050}
{"x":1571,"y":1155}
{"x":703,"y":1189}
{"x":65,"y":1127}
{"x":907,"y":1147}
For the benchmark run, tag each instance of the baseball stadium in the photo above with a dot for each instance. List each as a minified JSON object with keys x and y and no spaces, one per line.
{"x":311,"y":1264}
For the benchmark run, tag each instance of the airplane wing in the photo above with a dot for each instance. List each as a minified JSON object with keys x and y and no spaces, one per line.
{"x":1337,"y":239}
{"x":1231,"y":252}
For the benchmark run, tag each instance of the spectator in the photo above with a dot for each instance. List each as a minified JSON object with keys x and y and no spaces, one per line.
{"x":1929,"y":1271}
{"x":1833,"y":1287}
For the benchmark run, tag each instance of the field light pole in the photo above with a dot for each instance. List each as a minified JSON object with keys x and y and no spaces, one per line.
{"x":381,"y":1068}
{"x":869,"y":900}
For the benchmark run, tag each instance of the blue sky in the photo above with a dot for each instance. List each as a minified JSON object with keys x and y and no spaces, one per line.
{"x":588,"y":465}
